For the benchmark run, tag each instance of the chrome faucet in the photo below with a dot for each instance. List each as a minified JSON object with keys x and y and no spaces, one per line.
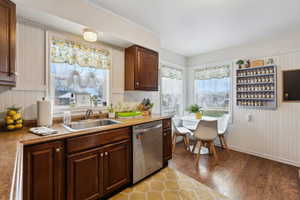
{"x":88,"y":113}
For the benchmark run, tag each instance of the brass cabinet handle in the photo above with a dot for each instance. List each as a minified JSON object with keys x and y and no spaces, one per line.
{"x":57,"y":150}
{"x":106,"y":153}
{"x":137,"y":83}
{"x":101,"y":154}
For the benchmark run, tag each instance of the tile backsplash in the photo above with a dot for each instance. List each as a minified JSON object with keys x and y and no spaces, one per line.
{"x":138,"y":96}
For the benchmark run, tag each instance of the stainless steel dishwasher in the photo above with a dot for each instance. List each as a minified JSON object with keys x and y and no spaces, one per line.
{"x":147,"y":149}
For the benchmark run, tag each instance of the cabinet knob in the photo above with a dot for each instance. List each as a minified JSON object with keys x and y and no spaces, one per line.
{"x":101,"y":154}
{"x":57,"y":149}
{"x":106,"y":153}
{"x":137,"y":83}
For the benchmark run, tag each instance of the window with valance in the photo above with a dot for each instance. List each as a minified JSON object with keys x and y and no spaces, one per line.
{"x":212,"y":87}
{"x":171,"y":90}
{"x":79,"y":73}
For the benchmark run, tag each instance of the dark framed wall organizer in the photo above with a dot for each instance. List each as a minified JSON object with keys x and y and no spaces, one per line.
{"x":291,"y":86}
{"x":256,"y":87}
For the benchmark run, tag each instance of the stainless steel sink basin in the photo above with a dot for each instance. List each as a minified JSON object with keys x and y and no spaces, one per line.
{"x":89,"y":124}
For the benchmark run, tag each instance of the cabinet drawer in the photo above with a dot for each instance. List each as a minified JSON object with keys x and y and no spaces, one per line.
{"x":167,"y":123}
{"x":94,"y":140}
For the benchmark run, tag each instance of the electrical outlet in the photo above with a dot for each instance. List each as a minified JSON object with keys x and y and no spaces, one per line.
{"x":249,"y":117}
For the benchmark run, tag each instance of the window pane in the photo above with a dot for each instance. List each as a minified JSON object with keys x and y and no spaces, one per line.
{"x":171,"y":91}
{"x":78,"y":84}
{"x":213,"y":93}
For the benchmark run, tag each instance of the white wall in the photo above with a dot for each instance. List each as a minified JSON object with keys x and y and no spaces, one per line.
{"x":165,"y":57}
{"x":32,"y":72}
{"x":272,"y":134}
{"x":31,"y":68}
{"x":171,"y":57}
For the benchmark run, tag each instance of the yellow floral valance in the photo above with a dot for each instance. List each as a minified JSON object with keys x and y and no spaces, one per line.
{"x":64,"y":51}
{"x":171,"y":73}
{"x":217,"y":72}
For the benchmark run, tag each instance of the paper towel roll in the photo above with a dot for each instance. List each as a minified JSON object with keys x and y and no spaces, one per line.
{"x":44,"y":113}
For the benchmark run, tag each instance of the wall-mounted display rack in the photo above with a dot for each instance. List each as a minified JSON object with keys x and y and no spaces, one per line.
{"x":256,"y":87}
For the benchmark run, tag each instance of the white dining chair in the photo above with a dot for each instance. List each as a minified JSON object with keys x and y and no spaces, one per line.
{"x":223,"y":124}
{"x":205,"y":134}
{"x":180,"y":131}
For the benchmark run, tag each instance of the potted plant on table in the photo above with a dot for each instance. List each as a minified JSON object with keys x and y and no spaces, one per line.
{"x":194,"y":108}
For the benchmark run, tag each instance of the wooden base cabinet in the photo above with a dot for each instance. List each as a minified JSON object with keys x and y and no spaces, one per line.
{"x":167,"y":140}
{"x":117,"y":166}
{"x":44,"y":172}
{"x":167,"y":145}
{"x":94,"y":173}
{"x":85,"y":175}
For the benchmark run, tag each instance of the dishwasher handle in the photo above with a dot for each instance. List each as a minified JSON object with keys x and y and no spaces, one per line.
{"x":142,"y":130}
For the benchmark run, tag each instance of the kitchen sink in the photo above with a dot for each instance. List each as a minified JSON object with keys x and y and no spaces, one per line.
{"x":89,"y":124}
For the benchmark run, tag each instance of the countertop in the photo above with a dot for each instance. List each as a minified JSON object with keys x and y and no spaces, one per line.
{"x":9,"y":142}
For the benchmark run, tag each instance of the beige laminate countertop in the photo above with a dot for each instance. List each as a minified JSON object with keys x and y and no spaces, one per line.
{"x":9,"y":142}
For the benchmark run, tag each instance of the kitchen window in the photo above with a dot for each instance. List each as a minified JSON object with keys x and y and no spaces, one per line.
{"x":79,"y":75}
{"x":212,"y":89}
{"x":172,"y":99}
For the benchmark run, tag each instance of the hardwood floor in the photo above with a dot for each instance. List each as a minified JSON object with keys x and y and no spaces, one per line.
{"x":241,"y":176}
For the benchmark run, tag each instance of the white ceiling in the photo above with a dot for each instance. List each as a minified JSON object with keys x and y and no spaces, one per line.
{"x":191,"y":27}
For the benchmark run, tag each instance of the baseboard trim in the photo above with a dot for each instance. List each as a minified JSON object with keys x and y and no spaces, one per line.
{"x":270,"y":157}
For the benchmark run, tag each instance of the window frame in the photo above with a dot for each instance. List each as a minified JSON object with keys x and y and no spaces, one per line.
{"x":184,"y":73}
{"x":231,"y":79}
{"x":77,"y":110}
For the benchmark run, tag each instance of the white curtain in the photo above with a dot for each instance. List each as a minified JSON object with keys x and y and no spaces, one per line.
{"x":171,"y":91}
{"x":212,"y":87}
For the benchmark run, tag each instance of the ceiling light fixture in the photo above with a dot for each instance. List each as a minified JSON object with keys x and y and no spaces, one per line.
{"x":90,"y":35}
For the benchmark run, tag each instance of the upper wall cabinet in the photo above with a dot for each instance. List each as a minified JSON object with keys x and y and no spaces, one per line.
{"x":141,"y":69}
{"x":8,"y":42}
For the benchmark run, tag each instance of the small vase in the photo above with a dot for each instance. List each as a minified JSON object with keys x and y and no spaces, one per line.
{"x":111,"y":115}
{"x":198,"y":115}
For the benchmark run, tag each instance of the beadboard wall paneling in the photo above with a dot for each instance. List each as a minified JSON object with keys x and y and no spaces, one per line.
{"x":30,"y":57}
{"x":25,"y":99}
{"x":30,"y":67}
{"x":273,"y":134}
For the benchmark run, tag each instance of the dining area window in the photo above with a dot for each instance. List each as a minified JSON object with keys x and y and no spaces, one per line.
{"x":212,"y":88}
{"x":172,"y":99}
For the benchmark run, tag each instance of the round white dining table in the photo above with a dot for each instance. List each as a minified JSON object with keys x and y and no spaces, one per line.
{"x":190,"y":122}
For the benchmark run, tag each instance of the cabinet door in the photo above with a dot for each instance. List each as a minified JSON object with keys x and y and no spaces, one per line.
{"x":44,"y":171}
{"x":85,"y":175}
{"x":167,"y":144}
{"x":7,"y":41}
{"x":146,"y":71}
{"x":117,"y":165}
